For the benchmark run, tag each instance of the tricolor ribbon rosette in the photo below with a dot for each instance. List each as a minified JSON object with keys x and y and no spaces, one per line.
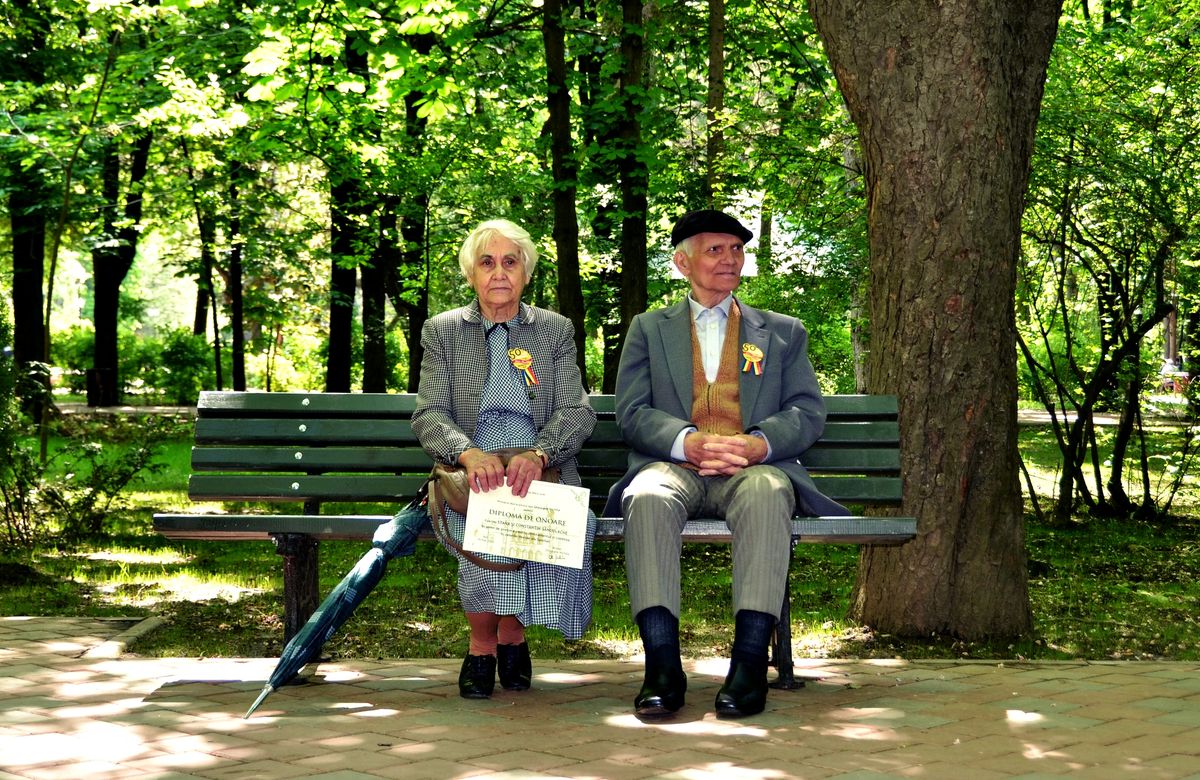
{"x":523,"y":362}
{"x":754,"y":359}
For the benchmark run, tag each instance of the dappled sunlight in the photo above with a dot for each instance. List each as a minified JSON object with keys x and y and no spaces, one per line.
{"x":1023,"y":717}
{"x":708,"y":726}
{"x":728,"y":770}
{"x":163,"y":556}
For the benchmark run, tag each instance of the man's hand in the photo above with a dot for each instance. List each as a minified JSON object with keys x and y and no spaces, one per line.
{"x":716,"y":455}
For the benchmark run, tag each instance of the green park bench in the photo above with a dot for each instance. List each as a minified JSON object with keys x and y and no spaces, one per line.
{"x":303,"y":451}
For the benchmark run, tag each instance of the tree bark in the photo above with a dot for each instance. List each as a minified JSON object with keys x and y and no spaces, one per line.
{"x":28,"y":223}
{"x":715,"y":143}
{"x":237,"y":320}
{"x":634,"y":178}
{"x":945,"y":98}
{"x":111,"y":262}
{"x":343,"y":201}
{"x":565,"y":173}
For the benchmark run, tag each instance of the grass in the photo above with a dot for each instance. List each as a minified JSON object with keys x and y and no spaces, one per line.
{"x":1099,"y":589}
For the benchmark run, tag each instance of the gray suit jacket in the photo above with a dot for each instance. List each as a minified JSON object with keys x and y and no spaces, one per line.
{"x":654,"y":395}
{"x":455,"y":368}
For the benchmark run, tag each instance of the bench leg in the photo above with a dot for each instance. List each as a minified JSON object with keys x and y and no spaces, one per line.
{"x":300,"y":586}
{"x":781,"y":652}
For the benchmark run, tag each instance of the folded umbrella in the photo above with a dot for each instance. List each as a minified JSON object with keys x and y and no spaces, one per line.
{"x":393,"y":539}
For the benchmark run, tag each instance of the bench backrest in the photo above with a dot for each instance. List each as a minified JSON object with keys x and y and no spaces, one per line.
{"x":315,"y":448}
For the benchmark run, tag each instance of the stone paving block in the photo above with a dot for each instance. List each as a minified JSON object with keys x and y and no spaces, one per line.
{"x":519,"y":761}
{"x":435,"y":769}
{"x":255,"y":770}
{"x":360,"y":760}
{"x":1189,"y":717}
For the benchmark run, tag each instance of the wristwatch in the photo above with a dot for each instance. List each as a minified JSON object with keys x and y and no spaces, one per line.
{"x":545,"y":458}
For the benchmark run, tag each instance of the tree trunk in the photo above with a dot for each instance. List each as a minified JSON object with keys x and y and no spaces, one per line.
{"x":28,"y":223}
{"x":343,"y":201}
{"x":634,"y":178}
{"x":715,"y":145}
{"x":414,"y":260}
{"x":374,"y":325}
{"x":233,"y":286}
{"x":111,"y":262}
{"x":945,"y":98}
{"x":564,"y":171}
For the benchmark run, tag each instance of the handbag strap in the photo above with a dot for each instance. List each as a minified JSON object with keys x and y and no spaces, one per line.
{"x":441,"y":529}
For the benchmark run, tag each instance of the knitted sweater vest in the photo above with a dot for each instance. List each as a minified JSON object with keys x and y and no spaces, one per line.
{"x":716,"y":406}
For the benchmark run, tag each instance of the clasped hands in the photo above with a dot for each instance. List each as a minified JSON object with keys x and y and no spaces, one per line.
{"x":485,"y":471}
{"x":716,"y":455}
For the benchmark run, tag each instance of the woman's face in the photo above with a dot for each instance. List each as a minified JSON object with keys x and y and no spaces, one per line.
{"x":498,"y":277}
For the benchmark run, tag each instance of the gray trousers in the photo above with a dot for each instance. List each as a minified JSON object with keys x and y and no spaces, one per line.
{"x":757,"y":505}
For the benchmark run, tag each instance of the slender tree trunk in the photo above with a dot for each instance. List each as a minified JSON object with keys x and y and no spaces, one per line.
{"x":237,"y":318}
{"x":374,"y":324}
{"x":343,"y":202}
{"x":111,"y":262}
{"x":413,"y":228}
{"x":28,"y":230}
{"x":945,"y":98}
{"x":715,"y":145}
{"x":634,"y":178}
{"x":564,"y":172}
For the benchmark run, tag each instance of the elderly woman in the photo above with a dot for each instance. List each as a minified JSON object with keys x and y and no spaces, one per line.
{"x":473,"y":400}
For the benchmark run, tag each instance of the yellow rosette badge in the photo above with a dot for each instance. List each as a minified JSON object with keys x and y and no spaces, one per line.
{"x":523,"y":362}
{"x":754,"y":359}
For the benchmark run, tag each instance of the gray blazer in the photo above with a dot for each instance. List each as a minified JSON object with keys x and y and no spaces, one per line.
{"x":654,"y":395}
{"x":455,"y":368}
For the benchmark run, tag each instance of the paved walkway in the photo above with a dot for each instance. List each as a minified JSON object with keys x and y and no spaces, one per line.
{"x":72,"y":705}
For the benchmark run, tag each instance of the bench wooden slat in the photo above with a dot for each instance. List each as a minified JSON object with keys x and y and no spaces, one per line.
{"x":861,"y":460}
{"x":317,"y":429}
{"x":213,"y":403}
{"x":304,"y":487}
{"x":858,"y":406}
{"x":379,"y":487}
{"x":311,"y":459}
{"x":811,"y":530}
{"x":413,"y":459}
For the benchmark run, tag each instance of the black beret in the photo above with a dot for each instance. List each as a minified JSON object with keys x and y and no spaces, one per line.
{"x":707,"y":221}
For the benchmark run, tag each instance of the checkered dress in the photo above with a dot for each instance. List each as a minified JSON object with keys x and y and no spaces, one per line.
{"x":537,"y":594}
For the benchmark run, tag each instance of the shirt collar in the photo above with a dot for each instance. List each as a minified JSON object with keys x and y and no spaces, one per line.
{"x":697,"y":309}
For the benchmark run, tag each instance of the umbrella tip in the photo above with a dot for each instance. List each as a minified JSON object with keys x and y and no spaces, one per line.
{"x":264,"y":693}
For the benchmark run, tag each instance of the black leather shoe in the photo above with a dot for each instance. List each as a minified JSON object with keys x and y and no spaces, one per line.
{"x":478,"y":677}
{"x":661,"y":695}
{"x":744,"y":692}
{"x":514,"y":666}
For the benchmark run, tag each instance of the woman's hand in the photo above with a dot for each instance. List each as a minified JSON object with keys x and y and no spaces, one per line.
{"x":523,"y":469}
{"x":484,"y":470}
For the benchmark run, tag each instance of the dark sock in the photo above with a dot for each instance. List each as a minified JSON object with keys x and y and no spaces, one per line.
{"x":751,"y":637}
{"x":660,"y":636}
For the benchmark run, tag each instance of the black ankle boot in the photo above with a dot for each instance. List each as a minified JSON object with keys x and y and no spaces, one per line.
{"x":662,"y":692}
{"x":514,"y":666}
{"x":744,"y":692}
{"x":477,"y":679}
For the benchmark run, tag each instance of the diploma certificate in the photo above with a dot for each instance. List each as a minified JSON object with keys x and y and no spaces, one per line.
{"x":547,"y":525}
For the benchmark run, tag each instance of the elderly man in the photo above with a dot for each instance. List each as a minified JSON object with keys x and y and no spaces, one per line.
{"x":716,"y":400}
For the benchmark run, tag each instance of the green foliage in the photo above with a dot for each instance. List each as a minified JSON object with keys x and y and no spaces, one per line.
{"x":183,"y":369}
{"x":77,"y":492}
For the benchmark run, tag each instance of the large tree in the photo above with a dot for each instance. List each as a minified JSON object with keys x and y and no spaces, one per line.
{"x":946,"y":97}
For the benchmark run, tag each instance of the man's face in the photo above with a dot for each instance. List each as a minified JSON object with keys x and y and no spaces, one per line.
{"x":713,"y":265}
